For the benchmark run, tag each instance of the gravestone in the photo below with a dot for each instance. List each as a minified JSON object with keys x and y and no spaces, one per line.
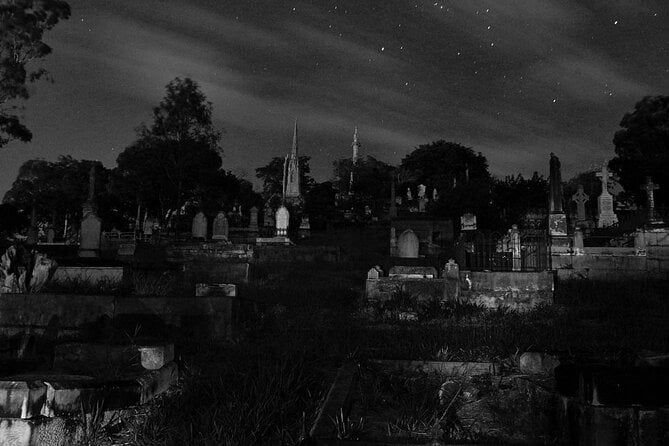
{"x":606,"y":217}
{"x":91,"y":225}
{"x":515,"y":248}
{"x":268,"y":219}
{"x":253,"y":222}
{"x":580,"y":198}
{"x":578,"y":242}
{"x":199,"y":228}
{"x":468,"y":222}
{"x":282,"y":221}
{"x":650,"y":189}
{"x":557,"y":219}
{"x":413,"y":272}
{"x":408,"y":244}
{"x":220,"y":227}
{"x":375,"y":272}
{"x":50,"y":235}
{"x":422,"y":200}
{"x":451,"y":275}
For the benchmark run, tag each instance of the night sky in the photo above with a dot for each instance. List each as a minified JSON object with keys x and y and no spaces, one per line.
{"x":514,"y":79}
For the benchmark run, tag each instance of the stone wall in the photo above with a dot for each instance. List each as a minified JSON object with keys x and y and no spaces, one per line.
{"x":296,"y":253}
{"x":183,"y":252}
{"x":64,"y":314}
{"x":89,"y":274}
{"x":612,"y":263}
{"x":491,"y":289}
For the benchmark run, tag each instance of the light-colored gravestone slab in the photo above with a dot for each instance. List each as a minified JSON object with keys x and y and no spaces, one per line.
{"x":220,"y":228}
{"x":408,"y":244}
{"x":451,"y":275}
{"x":606,"y":217}
{"x":468,"y":222}
{"x":199,"y":228}
{"x":413,"y":272}
{"x":375,"y":272}
{"x":91,"y":232}
{"x":282,"y":221}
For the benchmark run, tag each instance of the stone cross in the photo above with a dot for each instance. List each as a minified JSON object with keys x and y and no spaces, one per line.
{"x":580,"y":198}
{"x":604,"y":175}
{"x":650,"y":189}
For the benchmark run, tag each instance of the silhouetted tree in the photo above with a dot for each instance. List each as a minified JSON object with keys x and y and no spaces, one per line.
{"x":22,"y":25}
{"x":272,"y":178}
{"x":642,"y":148}
{"x":514,"y":196}
{"x":459,"y":174}
{"x":371,"y":183}
{"x":176,"y":159}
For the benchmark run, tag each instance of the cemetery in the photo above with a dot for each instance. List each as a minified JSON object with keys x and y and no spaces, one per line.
{"x":435,"y":299}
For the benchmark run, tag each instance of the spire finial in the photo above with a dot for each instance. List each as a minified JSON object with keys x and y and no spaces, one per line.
{"x":294,"y":150}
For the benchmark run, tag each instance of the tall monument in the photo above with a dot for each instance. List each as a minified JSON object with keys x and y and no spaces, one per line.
{"x":91,"y":225}
{"x":557,"y":220}
{"x":606,"y":217}
{"x":291,"y":172}
{"x":354,"y":158}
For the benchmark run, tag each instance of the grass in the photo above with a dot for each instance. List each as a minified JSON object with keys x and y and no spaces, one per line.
{"x":302,"y":322}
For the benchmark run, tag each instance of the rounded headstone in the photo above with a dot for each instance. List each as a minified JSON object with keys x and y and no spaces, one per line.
{"x":408,"y":244}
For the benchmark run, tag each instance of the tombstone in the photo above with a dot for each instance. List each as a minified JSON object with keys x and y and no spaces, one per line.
{"x":605,"y":215}
{"x":282,"y":221}
{"x":451,"y":275}
{"x":268,"y":219}
{"x":408,"y":244}
{"x":253,"y":223}
{"x":578,"y":242}
{"x":147,"y":227}
{"x":305,"y":227}
{"x":50,"y":235}
{"x":650,"y":189}
{"x":220,"y":227}
{"x":199,"y":228}
{"x":375,"y":272}
{"x":91,"y":225}
{"x":91,"y":231}
{"x":557,"y":219}
{"x":409,"y":196}
{"x":468,"y":222}
{"x":515,"y":248}
{"x":393,"y":239}
{"x":413,"y":272}
{"x":555,"y":180}
{"x":580,"y":198}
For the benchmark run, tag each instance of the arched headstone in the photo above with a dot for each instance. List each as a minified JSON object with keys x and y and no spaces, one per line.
{"x":282,"y":221}
{"x":199,"y":229}
{"x":407,"y":244}
{"x":220,"y":227}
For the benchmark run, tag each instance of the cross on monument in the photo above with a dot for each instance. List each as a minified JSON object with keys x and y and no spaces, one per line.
{"x":580,"y":198}
{"x":650,"y":188}
{"x":605,"y":176}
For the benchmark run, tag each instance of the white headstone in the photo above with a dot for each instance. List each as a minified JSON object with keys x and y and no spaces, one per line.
{"x":199,"y":229}
{"x":282,"y":221}
{"x":606,"y":216}
{"x":408,"y":244}
{"x":220,"y":227}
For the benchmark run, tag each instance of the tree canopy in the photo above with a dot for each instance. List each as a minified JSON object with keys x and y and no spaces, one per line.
{"x":23,"y":25}
{"x":515,"y":195}
{"x":177,"y":158}
{"x":459,"y":175}
{"x":371,"y":182}
{"x":642,"y":148}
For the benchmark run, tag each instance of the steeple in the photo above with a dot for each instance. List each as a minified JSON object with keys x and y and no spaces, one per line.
{"x":356,"y":146}
{"x":291,"y":171}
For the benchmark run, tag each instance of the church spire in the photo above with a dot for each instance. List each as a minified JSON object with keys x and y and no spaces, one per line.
{"x":291,"y":171}
{"x":356,"y":146}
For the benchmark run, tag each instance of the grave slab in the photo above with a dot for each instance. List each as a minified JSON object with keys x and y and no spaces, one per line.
{"x":21,"y":399}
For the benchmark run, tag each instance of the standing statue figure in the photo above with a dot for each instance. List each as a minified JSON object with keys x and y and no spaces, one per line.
{"x":409,"y":196}
{"x":555,"y":185}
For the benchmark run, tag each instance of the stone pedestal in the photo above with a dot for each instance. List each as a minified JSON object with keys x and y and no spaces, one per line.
{"x":557,"y":224}
{"x":91,"y":229}
{"x":606,"y":215}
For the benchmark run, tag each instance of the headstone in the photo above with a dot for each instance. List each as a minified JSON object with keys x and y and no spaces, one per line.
{"x":409,"y":196}
{"x":220,"y":227}
{"x":606,"y":217}
{"x":393,"y":238}
{"x":557,"y":219}
{"x":555,"y":185}
{"x":580,"y":198}
{"x":650,"y":189}
{"x":253,"y":223}
{"x":413,"y":272}
{"x":305,"y":227}
{"x":282,"y":221}
{"x":408,"y":244}
{"x":375,"y":273}
{"x":268,"y":219}
{"x":468,"y":222}
{"x":578,"y":242}
{"x":515,"y":248}
{"x":91,"y":231}
{"x":91,"y":225}
{"x":199,"y":228}
{"x":451,"y":275}
{"x":50,"y":235}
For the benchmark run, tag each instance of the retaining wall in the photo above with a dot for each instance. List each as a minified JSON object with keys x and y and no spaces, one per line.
{"x":62,"y":314}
